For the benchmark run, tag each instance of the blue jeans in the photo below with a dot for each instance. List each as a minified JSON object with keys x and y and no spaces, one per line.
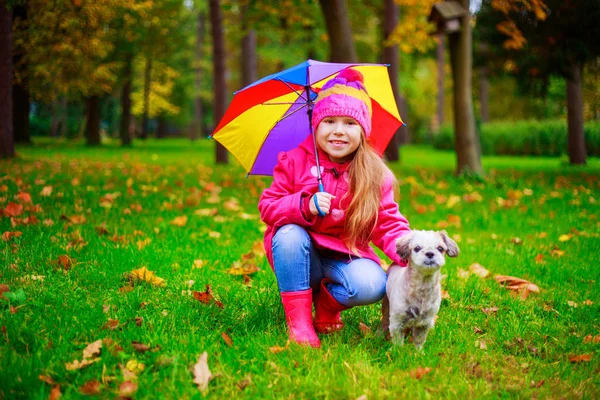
{"x":299,"y":266}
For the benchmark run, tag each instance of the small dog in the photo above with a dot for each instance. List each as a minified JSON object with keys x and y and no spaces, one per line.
{"x":413,"y":293}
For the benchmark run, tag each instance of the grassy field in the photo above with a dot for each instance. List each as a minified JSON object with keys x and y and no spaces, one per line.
{"x":88,"y":217}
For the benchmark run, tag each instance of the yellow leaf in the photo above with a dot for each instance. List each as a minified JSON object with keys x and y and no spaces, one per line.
{"x":180,"y":221}
{"x":565,"y":238}
{"x":92,"y":349}
{"x":242,"y":269}
{"x":479,"y":270}
{"x":75,"y":365}
{"x":143,"y":274}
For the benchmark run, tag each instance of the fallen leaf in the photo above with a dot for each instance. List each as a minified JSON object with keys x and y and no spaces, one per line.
{"x":111,"y":324}
{"x":198,"y":264}
{"x":202,"y":374}
{"x":480,"y":344}
{"x":580,"y":358}
{"x":13,"y":209}
{"x":76,"y":364}
{"x":127,"y":388}
{"x":92,"y":349}
{"x":565,"y":238}
{"x":572,"y":304}
{"x":65,"y":262}
{"x":537,"y":384}
{"x":462,"y":274}
{"x":90,"y":388}
{"x":364,"y":329}
{"x":55,"y":392}
{"x":180,"y":221}
{"x":479,"y":270}
{"x":516,"y":240}
{"x":227,"y":339}
{"x":6,"y":236}
{"x":588,"y":302}
{"x":206,"y":297}
{"x":278,"y":349}
{"x":143,"y":274}
{"x":239,"y":268}
{"x":490,"y":310}
{"x":46,"y":191}
{"x":517,"y":285}
{"x":140,"y":347}
{"x":47,"y":379}
{"x":419,"y":372}
{"x":135,"y":367}
{"x":477,"y":330}
{"x":206,"y":212}
{"x":539,"y":259}
{"x":590,"y":339}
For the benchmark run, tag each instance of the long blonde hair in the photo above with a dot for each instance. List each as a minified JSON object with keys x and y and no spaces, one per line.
{"x":367,"y":173}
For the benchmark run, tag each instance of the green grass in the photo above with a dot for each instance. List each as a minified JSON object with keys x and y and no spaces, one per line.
{"x":533,"y":199}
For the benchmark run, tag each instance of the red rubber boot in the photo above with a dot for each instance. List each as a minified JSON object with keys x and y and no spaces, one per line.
{"x":327,"y":315}
{"x":298,"y":315}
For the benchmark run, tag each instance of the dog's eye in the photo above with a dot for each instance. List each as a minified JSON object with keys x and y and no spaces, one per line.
{"x":417,"y":249}
{"x":440,"y":249}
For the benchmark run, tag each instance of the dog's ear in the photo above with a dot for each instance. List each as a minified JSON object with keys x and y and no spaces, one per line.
{"x":403,"y":246}
{"x":453,"y":249}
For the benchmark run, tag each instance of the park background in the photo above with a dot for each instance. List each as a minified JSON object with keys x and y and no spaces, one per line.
{"x":130,"y":236}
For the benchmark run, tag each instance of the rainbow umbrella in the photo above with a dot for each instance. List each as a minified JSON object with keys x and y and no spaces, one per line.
{"x":273,"y":114}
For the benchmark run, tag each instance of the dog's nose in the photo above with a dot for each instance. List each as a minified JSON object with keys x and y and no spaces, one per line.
{"x":430,"y":254}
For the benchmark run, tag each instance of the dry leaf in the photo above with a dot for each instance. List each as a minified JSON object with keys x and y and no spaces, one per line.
{"x":75,"y":365}
{"x":539,"y":259}
{"x":517,"y":285}
{"x":46,"y":191}
{"x":202,"y":374}
{"x":588,"y":302}
{"x":206,"y":297}
{"x":91,"y":387}
{"x":479,"y":270}
{"x":580,"y":358}
{"x":364,"y":329}
{"x":47,"y":379}
{"x":55,"y":392}
{"x":572,"y":304}
{"x":490,"y":310}
{"x":127,"y":388}
{"x":92,"y":349}
{"x":565,"y":238}
{"x":140,"y":347}
{"x":277,"y":349}
{"x":462,"y":274}
{"x":13,"y":209}
{"x":6,"y":236}
{"x":144,"y":274}
{"x":227,"y":339}
{"x":180,"y":221}
{"x":65,"y":261}
{"x":242,"y":269}
{"x":537,"y":384}
{"x":198,"y":264}
{"x":419,"y":372}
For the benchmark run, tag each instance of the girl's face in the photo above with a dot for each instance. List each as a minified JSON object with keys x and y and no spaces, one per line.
{"x":339,"y":137}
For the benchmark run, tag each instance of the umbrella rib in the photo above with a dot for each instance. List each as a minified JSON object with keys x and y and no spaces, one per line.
{"x":292,"y":113}
{"x":295,"y":91}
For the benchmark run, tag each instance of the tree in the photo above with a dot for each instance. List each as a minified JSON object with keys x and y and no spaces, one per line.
{"x":198,"y":125}
{"x":220,"y":85}
{"x":545,"y":39}
{"x":7,"y":146}
{"x":20,"y":90}
{"x":468,"y":153}
{"x":341,"y":43}
{"x":390,"y":56}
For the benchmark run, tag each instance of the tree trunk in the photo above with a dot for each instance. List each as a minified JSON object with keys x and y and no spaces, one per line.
{"x":64,"y":117}
{"x":20,"y":90}
{"x":161,"y":129}
{"x":441,"y":89}
{"x":198,"y":125}
{"x":147,"y":75}
{"x":220,"y":86}
{"x":248,"y":61}
{"x":466,"y":143}
{"x":577,"y":151}
{"x":7,"y":144}
{"x":483,"y":94}
{"x":390,"y":56}
{"x":55,"y":110}
{"x":126,"y":102}
{"x":92,"y":126}
{"x":341,"y":43}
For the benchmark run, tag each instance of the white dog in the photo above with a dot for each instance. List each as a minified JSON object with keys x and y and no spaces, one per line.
{"x":413,"y":293}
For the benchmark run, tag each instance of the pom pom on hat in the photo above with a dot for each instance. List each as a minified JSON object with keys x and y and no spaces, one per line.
{"x":344,"y":95}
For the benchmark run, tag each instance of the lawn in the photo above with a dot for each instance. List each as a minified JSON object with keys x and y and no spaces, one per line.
{"x":89,"y":218}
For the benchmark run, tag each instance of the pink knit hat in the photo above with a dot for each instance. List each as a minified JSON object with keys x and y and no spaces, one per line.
{"x":344,"y":96}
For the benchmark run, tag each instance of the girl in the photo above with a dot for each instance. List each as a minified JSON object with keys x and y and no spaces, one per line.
{"x":328,"y":259}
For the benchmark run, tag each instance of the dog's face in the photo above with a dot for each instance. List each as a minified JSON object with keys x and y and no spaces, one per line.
{"x":426,"y":250}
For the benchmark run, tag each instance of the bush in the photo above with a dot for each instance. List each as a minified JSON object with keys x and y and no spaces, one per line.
{"x":532,"y":138}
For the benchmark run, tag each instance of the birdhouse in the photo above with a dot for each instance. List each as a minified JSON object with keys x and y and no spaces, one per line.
{"x":447,"y":16}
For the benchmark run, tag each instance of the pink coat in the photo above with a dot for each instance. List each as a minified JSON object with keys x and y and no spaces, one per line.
{"x":294,"y":182}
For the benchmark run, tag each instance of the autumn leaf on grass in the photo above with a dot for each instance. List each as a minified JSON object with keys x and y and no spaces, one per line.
{"x":206,"y":297}
{"x":258,"y":248}
{"x":479,"y":270}
{"x":517,"y":285}
{"x":90,"y":388}
{"x":65,"y":262}
{"x":6,"y":236}
{"x":419,"y":372}
{"x":126,"y":389}
{"x":364,"y":329}
{"x":565,"y":238}
{"x":180,"y":221}
{"x":13,"y":209}
{"x":46,"y":191}
{"x":90,"y":354}
{"x":590,"y":339}
{"x":227,"y":339}
{"x":55,"y":393}
{"x":239,"y":268}
{"x":143,"y":274}
{"x":76,"y":364}
{"x":202,"y":374}
{"x":92,"y":349}
{"x":580,"y":358}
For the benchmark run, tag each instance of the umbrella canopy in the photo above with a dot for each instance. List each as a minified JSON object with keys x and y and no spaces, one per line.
{"x":271,"y":115}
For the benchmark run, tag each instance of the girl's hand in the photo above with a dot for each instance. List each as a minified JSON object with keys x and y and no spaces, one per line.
{"x":324,"y":201}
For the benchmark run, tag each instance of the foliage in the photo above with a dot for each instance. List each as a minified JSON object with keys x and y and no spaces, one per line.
{"x":413,"y":31}
{"x":75,"y":321}
{"x":531,"y":138}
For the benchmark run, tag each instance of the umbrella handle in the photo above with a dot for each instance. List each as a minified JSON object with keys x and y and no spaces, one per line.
{"x":321,"y":189}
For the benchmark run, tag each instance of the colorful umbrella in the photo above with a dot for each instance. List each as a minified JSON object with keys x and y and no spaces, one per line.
{"x":272,"y":114}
